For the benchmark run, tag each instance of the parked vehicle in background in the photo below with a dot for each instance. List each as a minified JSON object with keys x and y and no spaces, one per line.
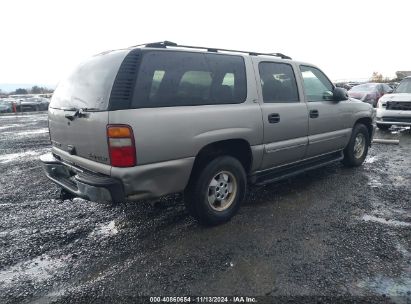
{"x":354,"y":83}
{"x":6,"y":106}
{"x":369,"y":92}
{"x":157,"y":119}
{"x":34,"y":104}
{"x":393,"y":85}
{"x":395,"y":108}
{"x":343,"y":85}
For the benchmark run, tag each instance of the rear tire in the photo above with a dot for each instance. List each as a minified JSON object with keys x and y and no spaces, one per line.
{"x":383,"y":127}
{"x":357,"y":149}
{"x":216,"y":191}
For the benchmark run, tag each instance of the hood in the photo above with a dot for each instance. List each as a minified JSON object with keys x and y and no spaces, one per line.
{"x":397,"y":97}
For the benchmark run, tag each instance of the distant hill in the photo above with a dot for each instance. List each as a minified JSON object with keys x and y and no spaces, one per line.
{"x":10,"y":87}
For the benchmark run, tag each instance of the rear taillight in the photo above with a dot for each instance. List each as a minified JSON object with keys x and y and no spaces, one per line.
{"x":121,"y":146}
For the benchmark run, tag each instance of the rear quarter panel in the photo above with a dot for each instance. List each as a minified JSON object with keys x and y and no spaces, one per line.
{"x":163,"y":134}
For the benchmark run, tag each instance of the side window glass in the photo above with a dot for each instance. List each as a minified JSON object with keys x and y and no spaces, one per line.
{"x":317,"y":87}
{"x":172,"y":78}
{"x":278,"y":82}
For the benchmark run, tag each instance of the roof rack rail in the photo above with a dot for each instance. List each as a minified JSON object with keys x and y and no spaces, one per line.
{"x":165,"y":44}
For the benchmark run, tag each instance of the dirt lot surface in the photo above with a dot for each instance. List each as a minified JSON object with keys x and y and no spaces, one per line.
{"x":334,"y":232}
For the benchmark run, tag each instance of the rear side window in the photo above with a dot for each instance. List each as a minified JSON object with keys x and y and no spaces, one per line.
{"x":169,"y":79}
{"x":278,"y":82}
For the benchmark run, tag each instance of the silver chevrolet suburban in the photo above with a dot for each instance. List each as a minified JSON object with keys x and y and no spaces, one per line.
{"x":162,"y":118}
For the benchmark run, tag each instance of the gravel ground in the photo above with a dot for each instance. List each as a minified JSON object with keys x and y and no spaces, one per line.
{"x":334,"y":233}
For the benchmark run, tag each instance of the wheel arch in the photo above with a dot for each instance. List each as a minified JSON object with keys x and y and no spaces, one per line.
{"x":238,"y":148}
{"x":367,"y":121}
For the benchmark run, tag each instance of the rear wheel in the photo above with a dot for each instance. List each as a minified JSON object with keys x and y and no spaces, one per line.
{"x":357,"y":149}
{"x":216,"y":191}
{"x":383,"y":127}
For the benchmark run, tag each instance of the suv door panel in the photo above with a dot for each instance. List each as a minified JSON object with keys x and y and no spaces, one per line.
{"x":285,"y":124}
{"x":328,"y":129}
{"x":327,"y":132}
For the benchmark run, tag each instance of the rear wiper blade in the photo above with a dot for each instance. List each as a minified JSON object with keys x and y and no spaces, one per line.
{"x":79,"y":112}
{"x":90,"y":110}
{"x":69,"y":109}
{"x":80,"y":109}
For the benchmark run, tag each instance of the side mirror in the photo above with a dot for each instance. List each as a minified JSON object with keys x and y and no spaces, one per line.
{"x":340,"y":94}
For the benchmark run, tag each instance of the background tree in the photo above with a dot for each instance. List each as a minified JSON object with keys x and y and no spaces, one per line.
{"x":40,"y":90}
{"x":36,"y":90}
{"x":20,"y":91}
{"x":376,"y":77}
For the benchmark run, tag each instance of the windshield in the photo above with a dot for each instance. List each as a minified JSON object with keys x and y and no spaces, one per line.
{"x":368,"y":87}
{"x":404,"y":86}
{"x":89,"y":85}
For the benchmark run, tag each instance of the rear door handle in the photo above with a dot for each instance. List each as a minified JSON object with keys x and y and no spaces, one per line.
{"x":274,"y":118}
{"x":314,"y":113}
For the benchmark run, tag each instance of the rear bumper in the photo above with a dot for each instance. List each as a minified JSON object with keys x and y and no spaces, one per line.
{"x":124,"y":184}
{"x":82,"y":183}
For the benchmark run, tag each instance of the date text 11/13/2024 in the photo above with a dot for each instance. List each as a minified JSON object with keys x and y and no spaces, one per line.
{"x":203,"y":299}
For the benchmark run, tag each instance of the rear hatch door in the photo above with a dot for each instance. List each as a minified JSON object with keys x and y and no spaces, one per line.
{"x":78,"y":115}
{"x":83,"y":136}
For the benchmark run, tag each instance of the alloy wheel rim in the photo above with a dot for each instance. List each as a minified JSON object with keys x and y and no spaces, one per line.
{"x":359,"y":145}
{"x":222,"y":191}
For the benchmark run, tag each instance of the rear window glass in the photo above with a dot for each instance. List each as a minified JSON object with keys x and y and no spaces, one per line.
{"x":169,"y":78}
{"x":89,"y":85}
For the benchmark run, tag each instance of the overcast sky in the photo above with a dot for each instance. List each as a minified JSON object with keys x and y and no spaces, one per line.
{"x":42,"y":40}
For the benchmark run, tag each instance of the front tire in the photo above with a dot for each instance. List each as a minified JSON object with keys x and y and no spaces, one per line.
{"x":216,"y":191}
{"x":383,"y":127}
{"x":357,"y":149}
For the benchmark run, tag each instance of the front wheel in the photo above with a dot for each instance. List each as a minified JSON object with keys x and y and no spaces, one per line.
{"x":357,"y":149}
{"x":216,"y":191}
